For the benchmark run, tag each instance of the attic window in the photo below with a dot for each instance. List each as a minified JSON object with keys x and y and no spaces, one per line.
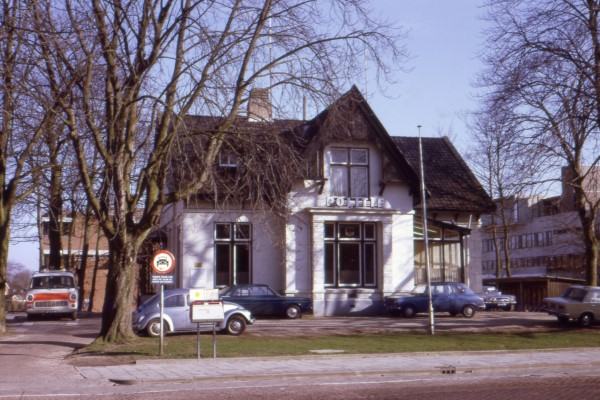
{"x":228,"y":159}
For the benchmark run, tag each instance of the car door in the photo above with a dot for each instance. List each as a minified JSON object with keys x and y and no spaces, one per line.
{"x":266,"y":301}
{"x":179,"y":312}
{"x":440,"y":298}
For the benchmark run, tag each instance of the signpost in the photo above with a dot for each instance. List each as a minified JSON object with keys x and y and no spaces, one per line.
{"x":206,"y":307}
{"x":163,"y":273}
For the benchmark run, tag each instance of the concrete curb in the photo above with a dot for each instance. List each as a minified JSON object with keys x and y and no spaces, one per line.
{"x":400,"y":364}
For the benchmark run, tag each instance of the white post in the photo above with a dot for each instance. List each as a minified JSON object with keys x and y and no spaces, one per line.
{"x":161,"y":345}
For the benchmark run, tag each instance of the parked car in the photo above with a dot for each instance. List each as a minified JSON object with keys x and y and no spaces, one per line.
{"x":493,"y":298}
{"x":579,"y":303}
{"x":176,"y":314}
{"x":262,"y":300}
{"x":452,"y":297}
{"x":52,"y":293}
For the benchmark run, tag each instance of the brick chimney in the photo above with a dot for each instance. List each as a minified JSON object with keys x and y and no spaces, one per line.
{"x":259,"y":105}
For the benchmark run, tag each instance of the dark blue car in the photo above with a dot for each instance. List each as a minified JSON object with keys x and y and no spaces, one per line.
{"x":452,"y":297}
{"x":262,"y":300}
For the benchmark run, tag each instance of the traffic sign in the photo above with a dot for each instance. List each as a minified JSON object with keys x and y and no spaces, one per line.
{"x":163,"y":262}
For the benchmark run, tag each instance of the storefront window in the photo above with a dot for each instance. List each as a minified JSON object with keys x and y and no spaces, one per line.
{"x":350,"y":254}
{"x":233,"y":253}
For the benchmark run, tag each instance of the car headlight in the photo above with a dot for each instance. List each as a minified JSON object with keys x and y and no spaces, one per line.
{"x":29,"y":297}
{"x":73,"y":296}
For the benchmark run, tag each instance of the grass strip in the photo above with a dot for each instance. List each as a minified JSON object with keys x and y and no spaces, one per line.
{"x":184,"y":346}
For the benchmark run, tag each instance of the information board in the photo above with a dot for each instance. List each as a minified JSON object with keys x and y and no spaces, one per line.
{"x":207,"y":311}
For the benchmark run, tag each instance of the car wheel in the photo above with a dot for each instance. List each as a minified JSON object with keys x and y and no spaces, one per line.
{"x":586,"y":320}
{"x":409,"y":312}
{"x":293,"y":312}
{"x":468,"y":311}
{"x":510,"y":307}
{"x":153,"y":328}
{"x":74,"y":315}
{"x":236,"y":325}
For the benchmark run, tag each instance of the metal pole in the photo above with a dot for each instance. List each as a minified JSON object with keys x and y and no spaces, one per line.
{"x":426,"y":235}
{"x":214,"y":340}
{"x":161,"y":345}
{"x":198,"y":339}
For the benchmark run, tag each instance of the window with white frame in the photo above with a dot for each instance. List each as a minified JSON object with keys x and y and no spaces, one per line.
{"x":233,"y":246}
{"x":350,"y":254}
{"x":228,"y":159}
{"x":349,"y":172}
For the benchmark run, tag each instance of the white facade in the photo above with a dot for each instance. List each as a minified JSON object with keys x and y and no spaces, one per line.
{"x":348,"y":238}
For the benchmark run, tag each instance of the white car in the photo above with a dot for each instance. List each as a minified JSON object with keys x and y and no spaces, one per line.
{"x":52,"y":293}
{"x":176,"y":316}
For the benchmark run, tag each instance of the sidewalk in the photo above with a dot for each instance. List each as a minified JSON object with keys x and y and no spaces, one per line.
{"x":368,"y":364}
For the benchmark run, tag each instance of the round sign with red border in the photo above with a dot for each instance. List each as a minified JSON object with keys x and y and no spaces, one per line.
{"x":163,"y":262}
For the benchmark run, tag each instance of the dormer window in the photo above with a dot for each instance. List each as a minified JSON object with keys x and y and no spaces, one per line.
{"x":349,"y":170}
{"x":228,"y":159}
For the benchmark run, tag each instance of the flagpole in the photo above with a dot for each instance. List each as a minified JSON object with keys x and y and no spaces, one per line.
{"x":426,"y":235}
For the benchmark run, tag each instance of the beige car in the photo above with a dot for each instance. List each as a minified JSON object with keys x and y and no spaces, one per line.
{"x":578,"y":303}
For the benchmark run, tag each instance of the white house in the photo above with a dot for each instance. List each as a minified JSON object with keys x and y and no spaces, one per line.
{"x":352,"y":232}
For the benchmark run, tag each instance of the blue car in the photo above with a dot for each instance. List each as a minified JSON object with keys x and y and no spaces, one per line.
{"x":452,"y":297}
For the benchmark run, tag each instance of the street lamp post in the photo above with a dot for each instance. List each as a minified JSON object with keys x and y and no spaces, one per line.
{"x":426,"y":235}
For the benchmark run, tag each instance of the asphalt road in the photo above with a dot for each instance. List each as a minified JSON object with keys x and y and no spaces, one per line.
{"x":33,"y":357}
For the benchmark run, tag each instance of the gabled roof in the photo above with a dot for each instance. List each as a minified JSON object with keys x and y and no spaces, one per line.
{"x":344,"y":110}
{"x":449,"y":181}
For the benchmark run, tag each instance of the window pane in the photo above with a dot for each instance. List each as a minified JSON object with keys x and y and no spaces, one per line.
{"x":222,"y":231}
{"x":339,"y":181}
{"x":329,"y":264}
{"x":349,"y":263}
{"x":242,"y":263}
{"x":359,"y":156}
{"x":369,"y":231}
{"x":222,"y":263}
{"x":242,"y":231}
{"x":339,"y":156}
{"x":329,"y":230}
{"x":349,"y":231}
{"x":359,"y":184}
{"x":369,"y":265}
{"x":175,"y":301}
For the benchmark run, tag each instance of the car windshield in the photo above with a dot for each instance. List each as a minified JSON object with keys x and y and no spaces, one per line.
{"x":573,"y":293}
{"x":52,"y":282}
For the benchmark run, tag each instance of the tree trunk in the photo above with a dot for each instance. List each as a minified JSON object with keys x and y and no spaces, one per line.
{"x":95,"y":273}
{"x":120,"y":286}
{"x":506,"y":232}
{"x":81,"y":273}
{"x":55,"y":215}
{"x":496,"y":249}
{"x":4,"y":239}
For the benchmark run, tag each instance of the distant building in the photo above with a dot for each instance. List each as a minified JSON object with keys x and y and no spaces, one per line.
{"x":545,"y":245}
{"x":96,"y":262}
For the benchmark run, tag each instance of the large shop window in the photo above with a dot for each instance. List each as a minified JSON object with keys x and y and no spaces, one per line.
{"x":350,"y":254}
{"x":349,"y":172}
{"x":233,"y":244}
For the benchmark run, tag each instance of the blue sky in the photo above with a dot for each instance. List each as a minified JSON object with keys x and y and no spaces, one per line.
{"x":444,"y":40}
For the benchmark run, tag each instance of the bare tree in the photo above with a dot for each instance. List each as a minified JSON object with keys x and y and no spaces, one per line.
{"x":506,"y":168}
{"x":161,"y":61}
{"x":544,"y":66}
{"x":25,"y":112}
